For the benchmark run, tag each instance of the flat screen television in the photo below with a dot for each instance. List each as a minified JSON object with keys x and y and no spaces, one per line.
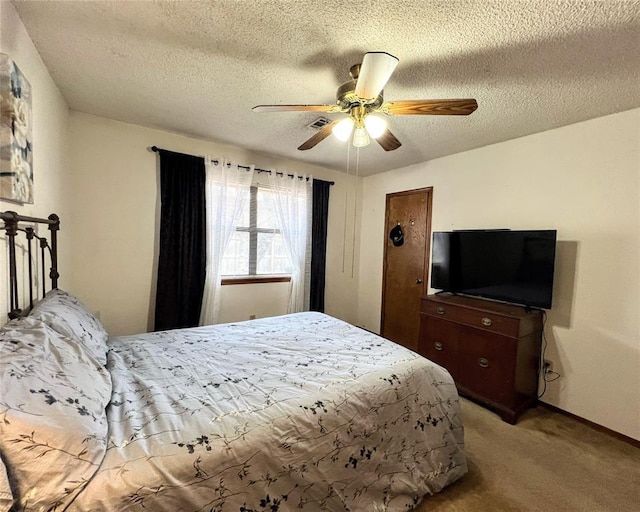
{"x":503,"y":265}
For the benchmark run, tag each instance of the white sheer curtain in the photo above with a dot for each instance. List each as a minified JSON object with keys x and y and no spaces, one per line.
{"x":292,"y":198}
{"x":227,"y":192}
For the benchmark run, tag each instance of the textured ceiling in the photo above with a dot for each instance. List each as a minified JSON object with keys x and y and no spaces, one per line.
{"x":199,"y":67}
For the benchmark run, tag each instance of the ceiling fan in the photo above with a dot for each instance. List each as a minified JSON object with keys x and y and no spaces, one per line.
{"x":362,"y":100}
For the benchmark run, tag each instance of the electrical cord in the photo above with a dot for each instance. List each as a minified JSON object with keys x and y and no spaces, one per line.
{"x":541,"y":368}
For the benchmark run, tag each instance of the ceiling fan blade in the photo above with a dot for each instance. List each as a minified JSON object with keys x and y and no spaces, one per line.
{"x":294,"y":108}
{"x":431,"y":107}
{"x":375,"y":71}
{"x":318,"y":137}
{"x":388,"y":141}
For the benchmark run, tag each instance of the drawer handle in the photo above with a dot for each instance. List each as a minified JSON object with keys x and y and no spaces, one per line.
{"x":486,"y":321}
{"x":438,"y":346}
{"x":484,"y":363}
{"x":440,"y":310}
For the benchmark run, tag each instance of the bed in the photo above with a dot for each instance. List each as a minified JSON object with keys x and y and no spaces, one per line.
{"x":297,"y":412}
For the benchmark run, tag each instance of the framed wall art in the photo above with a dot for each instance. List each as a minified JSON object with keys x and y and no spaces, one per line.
{"x":16,"y":145}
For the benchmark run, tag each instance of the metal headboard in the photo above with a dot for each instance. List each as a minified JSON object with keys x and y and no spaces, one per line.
{"x":13,"y":224}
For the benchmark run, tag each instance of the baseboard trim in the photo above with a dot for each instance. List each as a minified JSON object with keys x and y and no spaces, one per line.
{"x":595,"y":426}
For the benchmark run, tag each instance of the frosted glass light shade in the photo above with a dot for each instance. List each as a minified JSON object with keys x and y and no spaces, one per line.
{"x":343,"y":129}
{"x":375,"y":125}
{"x":361,"y":138}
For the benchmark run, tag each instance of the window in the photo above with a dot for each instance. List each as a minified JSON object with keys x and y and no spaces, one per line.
{"x":257,"y":246}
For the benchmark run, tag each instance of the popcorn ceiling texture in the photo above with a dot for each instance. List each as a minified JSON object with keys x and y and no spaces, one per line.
{"x":198,"y":67}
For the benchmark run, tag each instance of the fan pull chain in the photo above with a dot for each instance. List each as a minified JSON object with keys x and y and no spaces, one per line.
{"x":346,"y":203}
{"x":355,"y":214}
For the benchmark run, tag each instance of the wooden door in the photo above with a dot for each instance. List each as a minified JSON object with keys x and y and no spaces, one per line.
{"x":405,"y":267}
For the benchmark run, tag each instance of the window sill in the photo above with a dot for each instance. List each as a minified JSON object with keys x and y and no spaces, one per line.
{"x":255,"y":279}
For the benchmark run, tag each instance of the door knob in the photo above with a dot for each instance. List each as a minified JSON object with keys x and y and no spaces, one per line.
{"x":418,"y":281}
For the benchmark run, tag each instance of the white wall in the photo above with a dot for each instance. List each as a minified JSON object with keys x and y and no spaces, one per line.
{"x":241,"y":301}
{"x":115,"y":205}
{"x":584,"y":181}
{"x":50,"y":115}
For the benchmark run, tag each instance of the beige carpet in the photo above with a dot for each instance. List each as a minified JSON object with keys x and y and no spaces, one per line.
{"x":547,"y":462}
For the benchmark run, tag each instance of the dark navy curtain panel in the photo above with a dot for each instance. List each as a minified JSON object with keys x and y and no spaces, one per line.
{"x":319,"y":243}
{"x":182,"y":256}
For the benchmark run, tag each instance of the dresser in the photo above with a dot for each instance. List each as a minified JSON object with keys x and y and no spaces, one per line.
{"x":492,"y":350}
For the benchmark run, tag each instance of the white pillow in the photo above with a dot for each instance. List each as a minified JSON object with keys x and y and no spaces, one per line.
{"x":70,"y":317}
{"x":53,"y":424}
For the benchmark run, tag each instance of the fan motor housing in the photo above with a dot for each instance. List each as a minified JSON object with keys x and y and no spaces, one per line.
{"x":347,"y":98}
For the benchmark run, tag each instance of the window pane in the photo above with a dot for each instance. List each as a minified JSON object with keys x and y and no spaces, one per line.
{"x":267,"y":214}
{"x":243,"y":221}
{"x":235,"y":261}
{"x":272,"y":255}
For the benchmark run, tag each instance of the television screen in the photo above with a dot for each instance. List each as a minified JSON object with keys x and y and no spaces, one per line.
{"x":504,"y":265}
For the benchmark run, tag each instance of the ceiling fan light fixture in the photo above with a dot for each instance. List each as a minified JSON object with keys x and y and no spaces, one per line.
{"x":361,"y":138}
{"x":375,"y":125}
{"x":363,"y":95}
{"x":343,"y":129}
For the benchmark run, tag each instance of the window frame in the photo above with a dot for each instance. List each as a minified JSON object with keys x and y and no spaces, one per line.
{"x":253,"y":230}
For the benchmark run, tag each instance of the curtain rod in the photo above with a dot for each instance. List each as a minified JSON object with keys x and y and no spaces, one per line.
{"x":155,"y":149}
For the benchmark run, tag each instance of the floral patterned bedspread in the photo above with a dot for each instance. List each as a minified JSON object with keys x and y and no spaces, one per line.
{"x":299,"y":412}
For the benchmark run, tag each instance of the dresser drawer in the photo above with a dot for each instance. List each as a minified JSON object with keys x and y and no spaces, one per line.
{"x":486,"y":320}
{"x":439,"y":341}
{"x":486,"y":364}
